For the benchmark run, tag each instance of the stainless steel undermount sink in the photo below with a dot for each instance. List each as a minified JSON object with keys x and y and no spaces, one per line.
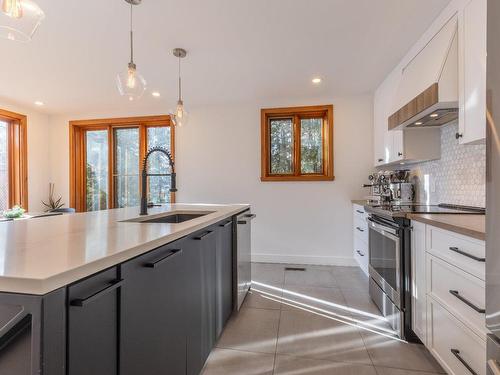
{"x":175,"y":217}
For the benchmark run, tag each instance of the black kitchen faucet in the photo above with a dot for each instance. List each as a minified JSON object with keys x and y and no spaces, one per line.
{"x":145,"y":175}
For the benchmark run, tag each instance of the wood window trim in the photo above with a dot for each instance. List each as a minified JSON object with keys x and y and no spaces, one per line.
{"x":77,"y":131}
{"x":324,"y":111}
{"x":17,"y":139}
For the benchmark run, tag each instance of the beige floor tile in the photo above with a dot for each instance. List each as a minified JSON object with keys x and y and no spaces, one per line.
{"x":321,"y":299}
{"x":308,"y":335}
{"x":395,"y":371}
{"x":253,"y":330}
{"x":231,"y":362}
{"x":288,"y":365}
{"x":268,"y":274}
{"x":392,"y":352}
{"x":312,"y":276}
{"x":263,"y":297}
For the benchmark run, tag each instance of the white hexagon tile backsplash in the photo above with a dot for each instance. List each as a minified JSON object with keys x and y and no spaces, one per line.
{"x":459,"y":177}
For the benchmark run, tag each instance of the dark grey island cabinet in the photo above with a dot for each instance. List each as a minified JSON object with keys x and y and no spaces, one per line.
{"x":159,"y":313}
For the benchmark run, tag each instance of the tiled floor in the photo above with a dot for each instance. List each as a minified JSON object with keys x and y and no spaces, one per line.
{"x":313,"y":322}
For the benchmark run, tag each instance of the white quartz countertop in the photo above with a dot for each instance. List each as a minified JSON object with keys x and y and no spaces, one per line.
{"x":40,"y":255}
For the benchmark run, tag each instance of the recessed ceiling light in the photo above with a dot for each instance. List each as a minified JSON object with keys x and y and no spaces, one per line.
{"x":316,"y":80}
{"x":156,"y":94}
{"x":434,"y":115}
{"x":39,"y":103}
{"x":419,"y":123}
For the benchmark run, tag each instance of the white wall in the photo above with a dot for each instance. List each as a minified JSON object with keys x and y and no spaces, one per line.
{"x":38,"y":154}
{"x":218,"y":161}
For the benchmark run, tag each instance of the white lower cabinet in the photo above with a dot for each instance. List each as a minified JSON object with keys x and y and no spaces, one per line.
{"x":419,"y":290}
{"x":457,"y":348}
{"x":448,"y":298}
{"x":360,"y":237}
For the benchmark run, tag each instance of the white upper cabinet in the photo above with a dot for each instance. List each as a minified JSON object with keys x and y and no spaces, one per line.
{"x":472,"y":71}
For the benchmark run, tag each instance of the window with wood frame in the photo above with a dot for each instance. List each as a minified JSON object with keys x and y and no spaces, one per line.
{"x":106,"y":161}
{"x":297,"y":144}
{"x":13,"y":160}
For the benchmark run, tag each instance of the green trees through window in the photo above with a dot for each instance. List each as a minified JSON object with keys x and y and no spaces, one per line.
{"x":297,"y":143}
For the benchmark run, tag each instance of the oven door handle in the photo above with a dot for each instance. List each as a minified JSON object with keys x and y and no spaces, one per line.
{"x":382,"y":229}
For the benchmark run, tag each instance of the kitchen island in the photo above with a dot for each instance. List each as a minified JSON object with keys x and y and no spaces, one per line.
{"x":106,"y":293}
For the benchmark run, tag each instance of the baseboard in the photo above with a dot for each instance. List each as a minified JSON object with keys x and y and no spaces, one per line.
{"x":304,"y":259}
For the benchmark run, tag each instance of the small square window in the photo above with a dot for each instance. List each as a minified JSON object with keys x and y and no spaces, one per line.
{"x":297,"y":144}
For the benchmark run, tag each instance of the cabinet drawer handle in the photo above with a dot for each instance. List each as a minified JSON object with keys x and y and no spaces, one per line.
{"x":250,"y":216}
{"x":467,"y":302}
{"x":82,"y":302}
{"x":158,"y":262}
{"x":456,"y":353}
{"x":226,"y":224}
{"x":457,"y":250}
{"x":361,"y":230}
{"x":360,"y":253}
{"x":379,"y":160}
{"x":201,"y":236}
{"x":360,"y":212}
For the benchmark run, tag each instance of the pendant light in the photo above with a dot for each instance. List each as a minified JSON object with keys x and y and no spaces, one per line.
{"x":130,"y":82}
{"x":19,"y":19}
{"x":180,"y":117}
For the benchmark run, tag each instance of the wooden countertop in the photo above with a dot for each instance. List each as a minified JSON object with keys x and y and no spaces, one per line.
{"x":468,"y":225}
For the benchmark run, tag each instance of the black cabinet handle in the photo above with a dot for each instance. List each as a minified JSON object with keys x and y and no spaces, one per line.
{"x":458,"y":135}
{"x":361,"y":230}
{"x":360,"y":253}
{"x":226,"y":224}
{"x":360,"y":212}
{"x":201,"y":236}
{"x":456,"y":294}
{"x":379,"y":160}
{"x":250,"y":216}
{"x":82,"y":302}
{"x":20,"y":324}
{"x":456,"y":353}
{"x":158,"y":262}
{"x":457,"y":250}
{"x":400,"y":154}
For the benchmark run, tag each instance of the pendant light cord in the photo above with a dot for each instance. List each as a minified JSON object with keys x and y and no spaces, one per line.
{"x":131,"y":35}
{"x":180,"y":86}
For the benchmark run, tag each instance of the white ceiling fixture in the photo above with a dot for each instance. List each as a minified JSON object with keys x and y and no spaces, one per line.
{"x":180,"y":117}
{"x":130,"y":82}
{"x":316,"y":80}
{"x":156,"y":94}
{"x":19,"y":19}
{"x":39,"y":103}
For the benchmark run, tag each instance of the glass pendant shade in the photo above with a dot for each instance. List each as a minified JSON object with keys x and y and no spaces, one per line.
{"x":181,"y":116}
{"x":19,"y":19}
{"x":131,"y":83}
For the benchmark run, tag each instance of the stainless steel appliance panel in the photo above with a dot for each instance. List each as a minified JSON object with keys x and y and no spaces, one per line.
{"x":384,"y":262}
{"x":243,"y":255}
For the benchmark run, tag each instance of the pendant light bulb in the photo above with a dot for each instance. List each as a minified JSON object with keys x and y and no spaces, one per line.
{"x":12,"y":8}
{"x":131,"y":76}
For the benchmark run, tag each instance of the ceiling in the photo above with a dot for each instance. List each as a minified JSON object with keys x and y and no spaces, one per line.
{"x":238,"y":50}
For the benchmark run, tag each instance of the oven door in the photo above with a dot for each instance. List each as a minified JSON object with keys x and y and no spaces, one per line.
{"x":384,"y":262}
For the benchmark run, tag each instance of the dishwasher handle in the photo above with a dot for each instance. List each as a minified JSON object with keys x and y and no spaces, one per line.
{"x":246,"y":218}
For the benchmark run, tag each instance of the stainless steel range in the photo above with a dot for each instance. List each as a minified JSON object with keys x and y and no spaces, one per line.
{"x":390,"y":258}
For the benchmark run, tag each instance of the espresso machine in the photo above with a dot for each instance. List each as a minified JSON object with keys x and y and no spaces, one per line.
{"x":390,"y":187}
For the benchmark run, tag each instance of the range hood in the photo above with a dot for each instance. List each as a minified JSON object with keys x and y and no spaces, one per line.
{"x":427,"y":95}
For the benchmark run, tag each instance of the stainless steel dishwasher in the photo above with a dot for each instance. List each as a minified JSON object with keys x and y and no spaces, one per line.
{"x":243,"y":256}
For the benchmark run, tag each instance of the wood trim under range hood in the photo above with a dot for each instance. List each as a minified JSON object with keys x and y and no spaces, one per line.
{"x":421,"y":108}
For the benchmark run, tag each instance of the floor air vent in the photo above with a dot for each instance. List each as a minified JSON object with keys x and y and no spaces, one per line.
{"x":294,"y":269}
